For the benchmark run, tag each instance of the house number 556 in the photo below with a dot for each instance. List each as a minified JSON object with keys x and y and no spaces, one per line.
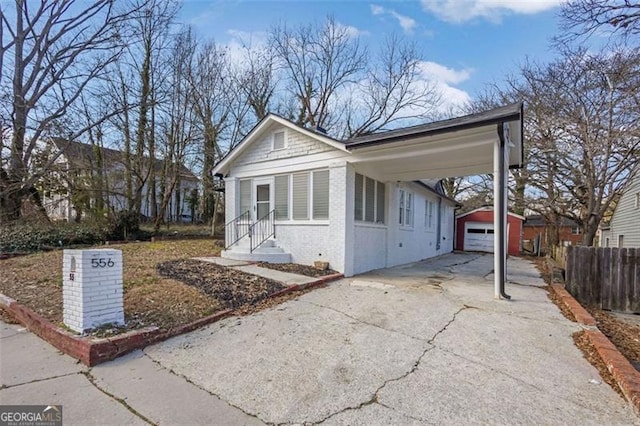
{"x":102,"y":263}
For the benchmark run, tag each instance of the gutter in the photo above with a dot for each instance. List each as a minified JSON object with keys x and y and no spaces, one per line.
{"x":500,"y":264}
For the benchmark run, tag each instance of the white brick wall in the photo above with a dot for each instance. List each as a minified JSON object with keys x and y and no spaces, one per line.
{"x":297,"y":145}
{"x":306,"y":243}
{"x":92,"y":288}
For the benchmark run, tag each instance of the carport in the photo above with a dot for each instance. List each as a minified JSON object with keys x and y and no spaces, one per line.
{"x":487,"y":142}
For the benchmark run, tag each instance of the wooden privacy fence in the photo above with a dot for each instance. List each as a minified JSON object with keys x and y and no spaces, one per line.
{"x":559,"y":254}
{"x":605,"y":277}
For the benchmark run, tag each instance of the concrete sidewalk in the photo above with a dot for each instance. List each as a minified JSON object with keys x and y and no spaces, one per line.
{"x":129,"y":391}
{"x":286,"y":278}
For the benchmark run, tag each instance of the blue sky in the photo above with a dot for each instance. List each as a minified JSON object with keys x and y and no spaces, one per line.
{"x":465,"y":44}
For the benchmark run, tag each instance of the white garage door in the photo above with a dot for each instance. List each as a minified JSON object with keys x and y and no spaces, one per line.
{"x":478,"y":236}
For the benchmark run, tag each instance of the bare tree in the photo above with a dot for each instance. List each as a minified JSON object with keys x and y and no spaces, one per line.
{"x":584,"y":133}
{"x":213,"y":100}
{"x":176,"y":124}
{"x":582,"y":18}
{"x":52,"y":51}
{"x":318,"y":61}
{"x":393,"y":90}
{"x":257,"y":80}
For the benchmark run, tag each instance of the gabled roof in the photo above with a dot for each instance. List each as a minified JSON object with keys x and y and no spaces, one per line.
{"x":82,"y":156}
{"x":488,"y":209}
{"x":264,"y":124}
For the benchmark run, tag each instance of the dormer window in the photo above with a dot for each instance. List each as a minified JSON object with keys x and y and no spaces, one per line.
{"x":279,"y":140}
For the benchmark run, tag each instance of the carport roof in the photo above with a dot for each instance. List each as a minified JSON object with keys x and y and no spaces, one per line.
{"x":512,"y":112}
{"x":460,"y":146}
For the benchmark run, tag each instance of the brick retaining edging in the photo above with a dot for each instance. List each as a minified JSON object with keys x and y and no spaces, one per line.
{"x":92,"y":351}
{"x":625,"y":375}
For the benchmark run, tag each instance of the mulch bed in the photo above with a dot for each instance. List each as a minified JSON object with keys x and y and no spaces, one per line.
{"x":625,"y":336}
{"x":294,"y":268}
{"x":229,"y":287}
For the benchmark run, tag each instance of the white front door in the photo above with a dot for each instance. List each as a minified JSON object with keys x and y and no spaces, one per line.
{"x":262,"y":198}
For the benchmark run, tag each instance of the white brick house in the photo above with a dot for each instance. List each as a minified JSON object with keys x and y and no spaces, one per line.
{"x":360,"y":204}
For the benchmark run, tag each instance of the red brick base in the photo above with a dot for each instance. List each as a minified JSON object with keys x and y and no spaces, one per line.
{"x":91,"y":351}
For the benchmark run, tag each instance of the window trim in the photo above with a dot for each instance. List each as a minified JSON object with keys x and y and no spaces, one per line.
{"x":273,"y":140}
{"x":363,"y":201}
{"x":310,"y":220}
{"x":429,"y":207}
{"x":405,"y":194}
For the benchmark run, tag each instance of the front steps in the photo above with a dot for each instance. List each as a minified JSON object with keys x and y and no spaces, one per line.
{"x":267,"y":252}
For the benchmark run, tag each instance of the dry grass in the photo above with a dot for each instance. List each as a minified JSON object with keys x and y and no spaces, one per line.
{"x":149,"y":299}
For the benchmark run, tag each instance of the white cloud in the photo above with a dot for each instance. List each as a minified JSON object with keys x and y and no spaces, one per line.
{"x":352,"y":31}
{"x":407,"y":23}
{"x":240,"y":41}
{"x":377,"y":10}
{"x":445,"y":79}
{"x":445,"y":74}
{"x":458,"y":11}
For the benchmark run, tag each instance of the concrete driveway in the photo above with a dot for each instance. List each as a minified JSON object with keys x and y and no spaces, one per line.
{"x":423,"y":343}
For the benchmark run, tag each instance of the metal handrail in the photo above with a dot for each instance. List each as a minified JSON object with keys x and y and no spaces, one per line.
{"x":262,"y":230}
{"x":237,"y":229}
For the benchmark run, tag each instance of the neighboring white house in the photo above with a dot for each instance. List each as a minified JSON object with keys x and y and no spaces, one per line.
{"x":77,"y":167}
{"x":623,"y":229}
{"x":362,"y":204}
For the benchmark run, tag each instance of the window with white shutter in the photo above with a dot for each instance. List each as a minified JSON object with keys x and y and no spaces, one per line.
{"x":282,"y":197}
{"x":245,"y":196}
{"x":359,"y":197}
{"x":369,"y":200}
{"x":321,"y":194}
{"x":380,"y":202}
{"x":300,"y":196}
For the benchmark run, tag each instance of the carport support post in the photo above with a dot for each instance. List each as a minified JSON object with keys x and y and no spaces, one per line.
{"x":500,"y":214}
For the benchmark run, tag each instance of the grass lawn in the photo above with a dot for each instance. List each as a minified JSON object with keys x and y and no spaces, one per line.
{"x":149,"y":299}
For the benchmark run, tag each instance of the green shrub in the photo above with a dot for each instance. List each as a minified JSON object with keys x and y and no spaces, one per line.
{"x":125,"y":226}
{"x":31,"y":237}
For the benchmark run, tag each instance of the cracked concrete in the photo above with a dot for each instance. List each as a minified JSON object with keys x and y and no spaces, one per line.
{"x":390,"y":347}
{"x":130,"y":390}
{"x":33,"y":372}
{"x":424,"y":343}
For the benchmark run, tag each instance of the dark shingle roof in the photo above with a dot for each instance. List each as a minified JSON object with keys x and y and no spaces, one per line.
{"x":83,"y":155}
{"x":494,"y":116}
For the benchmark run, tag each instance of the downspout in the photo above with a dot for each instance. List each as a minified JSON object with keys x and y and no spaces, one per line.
{"x":500,"y":215}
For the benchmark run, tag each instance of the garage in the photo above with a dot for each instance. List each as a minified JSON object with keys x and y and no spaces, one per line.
{"x":475,"y":232}
{"x":478,"y":236}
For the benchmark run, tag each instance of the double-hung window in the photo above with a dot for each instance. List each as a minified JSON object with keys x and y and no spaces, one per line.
{"x":406,"y":208}
{"x":428,"y":214}
{"x":369,"y":200}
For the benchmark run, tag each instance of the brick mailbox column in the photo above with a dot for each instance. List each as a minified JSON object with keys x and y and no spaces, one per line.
{"x":92,"y":288}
